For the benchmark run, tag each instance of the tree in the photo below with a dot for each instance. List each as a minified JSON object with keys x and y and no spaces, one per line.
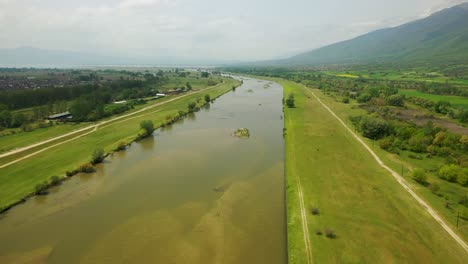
{"x":442,"y":107}
{"x":207,"y":98}
{"x":191,"y":107}
{"x":205,"y":74}
{"x":396,"y":100}
{"x":374,"y":128}
{"x":147,"y":126}
{"x":18,"y":120}
{"x":419,"y":175}
{"x":449,"y":172}
{"x":189,"y":86}
{"x":5,"y":118}
{"x":290,"y":101}
{"x":97,"y":156}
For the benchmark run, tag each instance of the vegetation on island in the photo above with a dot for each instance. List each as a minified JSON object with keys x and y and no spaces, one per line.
{"x":242,"y":133}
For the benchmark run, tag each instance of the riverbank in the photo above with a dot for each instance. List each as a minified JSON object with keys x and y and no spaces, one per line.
{"x":18,"y":180}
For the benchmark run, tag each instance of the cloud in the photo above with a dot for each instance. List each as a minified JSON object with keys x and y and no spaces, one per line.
{"x":137,"y":3}
{"x":217,"y":29}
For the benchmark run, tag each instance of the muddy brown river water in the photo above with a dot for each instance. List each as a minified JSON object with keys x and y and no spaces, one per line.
{"x":192,"y":193}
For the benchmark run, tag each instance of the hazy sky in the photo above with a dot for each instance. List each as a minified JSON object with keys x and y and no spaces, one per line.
{"x":214,"y":29}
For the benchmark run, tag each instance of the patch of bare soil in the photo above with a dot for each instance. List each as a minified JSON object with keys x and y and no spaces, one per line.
{"x":421,"y":119}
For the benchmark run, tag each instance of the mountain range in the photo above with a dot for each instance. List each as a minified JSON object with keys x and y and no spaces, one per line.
{"x":441,"y":37}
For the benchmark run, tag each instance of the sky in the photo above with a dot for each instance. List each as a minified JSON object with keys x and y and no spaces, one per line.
{"x":234,"y":30}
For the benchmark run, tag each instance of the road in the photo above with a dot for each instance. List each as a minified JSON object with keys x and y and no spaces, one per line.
{"x":399,"y":179}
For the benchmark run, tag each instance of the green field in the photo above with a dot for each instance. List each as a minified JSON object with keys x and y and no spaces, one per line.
{"x":19,"y":179}
{"x":374,"y":218}
{"x":456,"y":101}
{"x":418,"y":74}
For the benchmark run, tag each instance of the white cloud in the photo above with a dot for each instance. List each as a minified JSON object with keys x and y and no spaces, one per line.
{"x":217,"y":29}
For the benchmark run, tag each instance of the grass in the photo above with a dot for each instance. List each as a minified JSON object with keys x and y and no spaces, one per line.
{"x":374,"y":219}
{"x":456,"y":101}
{"x":21,"y":139}
{"x":19,"y":179}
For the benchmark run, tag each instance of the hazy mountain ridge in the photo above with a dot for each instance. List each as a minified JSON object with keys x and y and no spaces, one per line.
{"x":441,"y":36}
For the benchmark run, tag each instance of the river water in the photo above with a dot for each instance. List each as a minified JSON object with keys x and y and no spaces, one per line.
{"x":193,"y":193}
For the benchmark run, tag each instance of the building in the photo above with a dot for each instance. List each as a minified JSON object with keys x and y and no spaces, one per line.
{"x":60,"y":116}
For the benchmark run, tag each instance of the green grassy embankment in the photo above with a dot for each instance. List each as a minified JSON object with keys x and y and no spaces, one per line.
{"x":374,"y":218}
{"x":19,"y":179}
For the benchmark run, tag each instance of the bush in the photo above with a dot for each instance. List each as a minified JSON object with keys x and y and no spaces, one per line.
{"x":315,"y":211}
{"x":396,"y":100}
{"x":207,"y":98}
{"x":345,"y":100}
{"x":449,"y":172}
{"x":330,"y":233}
{"x":122,"y":146}
{"x":41,"y":188}
{"x":318,"y":232}
{"x":97,"y":156}
{"x":55,"y":180}
{"x":419,"y":175}
{"x":86,"y":168}
{"x":290,"y":101}
{"x":371,"y":127}
{"x":71,"y":173}
{"x":191,"y":107}
{"x":148,"y":127}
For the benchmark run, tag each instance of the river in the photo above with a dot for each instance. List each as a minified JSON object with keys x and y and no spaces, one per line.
{"x":192,"y":193}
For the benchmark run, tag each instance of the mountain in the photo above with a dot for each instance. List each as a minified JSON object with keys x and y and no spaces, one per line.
{"x":441,"y":37}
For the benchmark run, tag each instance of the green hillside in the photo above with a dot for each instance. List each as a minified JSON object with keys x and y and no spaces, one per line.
{"x":441,"y":37}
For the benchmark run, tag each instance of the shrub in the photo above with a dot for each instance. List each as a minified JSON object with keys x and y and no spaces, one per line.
{"x":373,"y":128}
{"x":395,"y":100}
{"x":87,"y":168}
{"x":207,"y":98}
{"x":345,"y":100}
{"x":41,"y":188}
{"x":55,"y":180}
{"x":191,"y":107}
{"x":449,"y":172}
{"x":290,"y":101}
{"x":71,"y":173}
{"x":315,"y":211}
{"x":147,"y":126}
{"x":330,"y":233}
{"x":419,"y":175}
{"x":318,"y":232}
{"x":97,"y":156}
{"x":121,"y":146}
{"x":386,"y":143}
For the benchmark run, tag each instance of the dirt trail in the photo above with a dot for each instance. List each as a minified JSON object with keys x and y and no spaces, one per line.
{"x":399,"y":179}
{"x":305,"y":227}
{"x":94,"y":127}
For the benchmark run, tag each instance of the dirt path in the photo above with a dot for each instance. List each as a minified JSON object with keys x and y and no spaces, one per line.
{"x":305,"y":227}
{"x":94,"y":127}
{"x":399,"y":179}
